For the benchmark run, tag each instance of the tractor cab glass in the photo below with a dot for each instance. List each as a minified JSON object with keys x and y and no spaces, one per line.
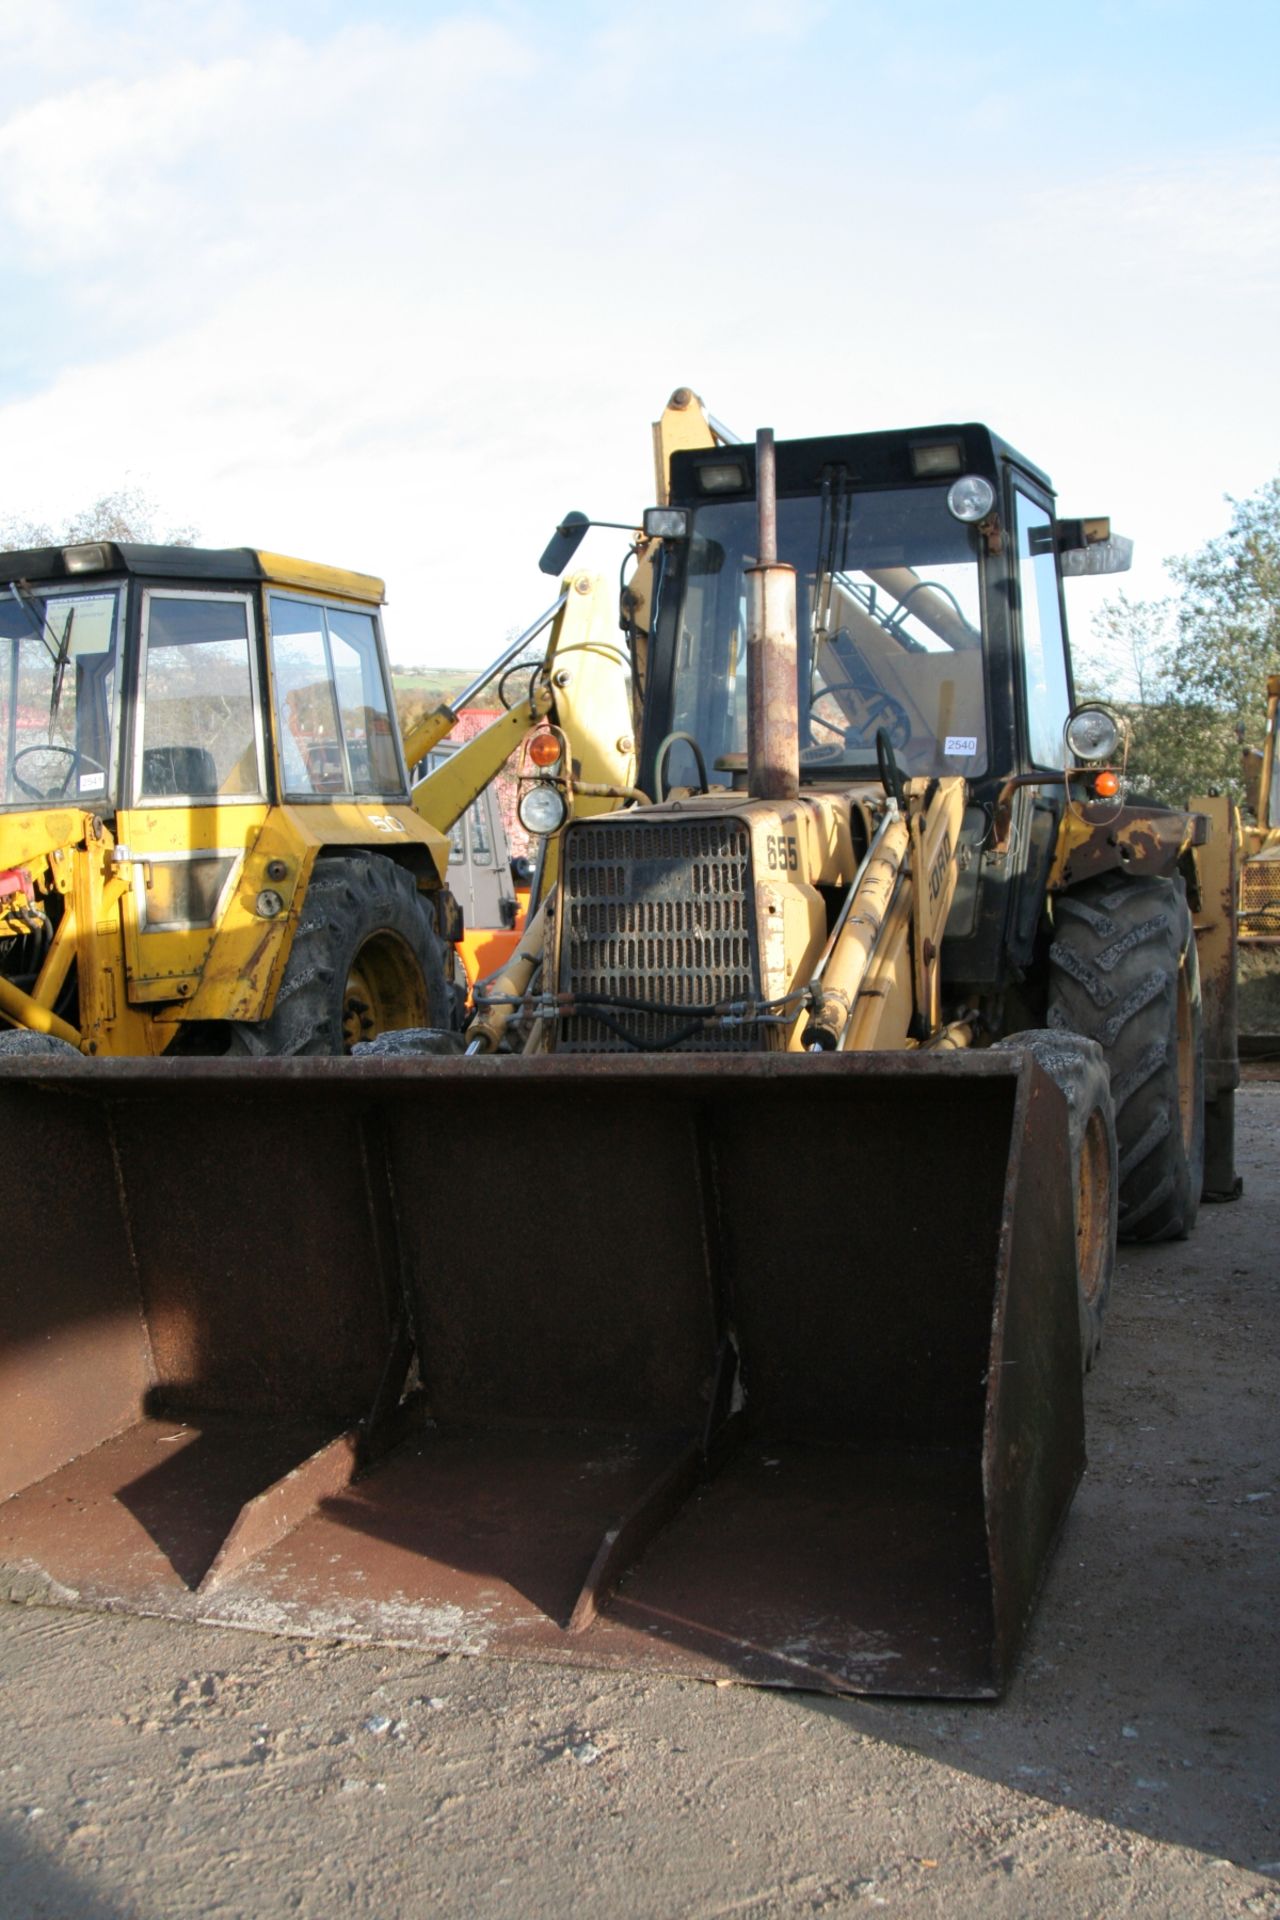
{"x":59,"y":651}
{"x":335,"y":726}
{"x":889,"y":632}
{"x":200,"y":736}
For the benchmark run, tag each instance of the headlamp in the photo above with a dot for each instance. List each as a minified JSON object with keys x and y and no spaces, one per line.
{"x":541,"y":808}
{"x":971,"y":498}
{"x":1093,"y":733}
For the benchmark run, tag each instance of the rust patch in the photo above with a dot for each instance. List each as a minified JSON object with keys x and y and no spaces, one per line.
{"x":1100,"y":838}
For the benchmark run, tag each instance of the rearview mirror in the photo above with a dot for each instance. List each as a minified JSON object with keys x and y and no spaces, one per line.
{"x":1084,"y":546}
{"x":1113,"y":555}
{"x":564,"y":543}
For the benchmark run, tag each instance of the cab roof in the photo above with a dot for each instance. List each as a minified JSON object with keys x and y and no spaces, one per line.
{"x":213,"y":566}
{"x":886,"y":459}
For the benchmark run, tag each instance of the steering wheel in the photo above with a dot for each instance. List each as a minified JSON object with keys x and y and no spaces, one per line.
{"x":878,"y":710}
{"x":72,"y":755}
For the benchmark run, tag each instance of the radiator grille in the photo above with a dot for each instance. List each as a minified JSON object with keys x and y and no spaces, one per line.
{"x":1260,"y":896}
{"x":657,"y":911}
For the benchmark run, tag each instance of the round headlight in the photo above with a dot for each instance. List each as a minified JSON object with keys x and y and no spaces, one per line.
{"x":541,"y":808}
{"x":1093,"y":734}
{"x":971,"y":498}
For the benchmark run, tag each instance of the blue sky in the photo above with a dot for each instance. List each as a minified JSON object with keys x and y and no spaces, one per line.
{"x":394,"y":286}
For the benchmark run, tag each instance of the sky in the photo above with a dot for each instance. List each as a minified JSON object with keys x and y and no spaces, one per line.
{"x":395,"y":285}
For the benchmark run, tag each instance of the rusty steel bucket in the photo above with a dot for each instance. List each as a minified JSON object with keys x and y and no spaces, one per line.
{"x":763,"y":1367}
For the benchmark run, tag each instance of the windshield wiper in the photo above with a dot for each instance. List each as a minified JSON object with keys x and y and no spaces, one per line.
{"x":39,"y":621}
{"x":835,"y":513}
{"x":59,"y":651}
{"x":60,"y":659}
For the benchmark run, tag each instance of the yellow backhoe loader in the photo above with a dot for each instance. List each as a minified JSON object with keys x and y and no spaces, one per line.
{"x":812,"y":1060}
{"x":208,"y":842}
{"x":1259,"y":1011}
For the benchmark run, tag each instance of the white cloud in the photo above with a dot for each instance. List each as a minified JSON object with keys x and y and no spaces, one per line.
{"x":398,"y":297}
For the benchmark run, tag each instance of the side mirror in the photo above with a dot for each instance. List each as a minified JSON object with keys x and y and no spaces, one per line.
{"x":564,"y":543}
{"x":1112,"y":555}
{"x":1084,"y":547}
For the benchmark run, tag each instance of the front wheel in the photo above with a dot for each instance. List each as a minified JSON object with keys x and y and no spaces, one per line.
{"x":1123,"y":972}
{"x":366,"y":960}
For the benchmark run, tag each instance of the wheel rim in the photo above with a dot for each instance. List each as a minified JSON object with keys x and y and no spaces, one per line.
{"x":1093,"y":1210}
{"x":384,"y":991}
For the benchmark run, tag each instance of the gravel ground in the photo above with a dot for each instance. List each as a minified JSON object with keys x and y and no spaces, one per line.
{"x":149,"y":1769}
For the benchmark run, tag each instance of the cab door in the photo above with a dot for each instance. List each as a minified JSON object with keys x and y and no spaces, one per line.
{"x":1044,"y":692}
{"x":196,"y":784}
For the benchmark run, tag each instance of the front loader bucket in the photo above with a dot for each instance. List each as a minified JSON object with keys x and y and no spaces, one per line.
{"x":760,"y":1366}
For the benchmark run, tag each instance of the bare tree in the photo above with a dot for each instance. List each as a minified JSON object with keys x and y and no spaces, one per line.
{"x":128,"y":514}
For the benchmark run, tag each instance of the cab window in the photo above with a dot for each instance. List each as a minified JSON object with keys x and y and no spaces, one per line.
{"x":58,"y":696}
{"x":334,"y":719}
{"x":1044,"y":652}
{"x":200,"y":737}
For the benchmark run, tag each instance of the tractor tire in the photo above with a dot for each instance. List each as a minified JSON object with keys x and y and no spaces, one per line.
{"x":1123,"y":971}
{"x":1079,"y":1070}
{"x":438,"y":1042}
{"x":366,"y":959}
{"x":20,"y":1040}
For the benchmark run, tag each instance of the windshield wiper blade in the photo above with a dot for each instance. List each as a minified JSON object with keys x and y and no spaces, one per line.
{"x":58,"y":650}
{"x":60,"y":659}
{"x":39,"y":622}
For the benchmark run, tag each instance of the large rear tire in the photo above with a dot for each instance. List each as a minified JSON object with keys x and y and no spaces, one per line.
{"x":366,"y":960}
{"x":1123,"y":971}
{"x":1079,"y":1070}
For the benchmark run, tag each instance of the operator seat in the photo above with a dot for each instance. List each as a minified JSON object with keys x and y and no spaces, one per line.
{"x":170,"y":771}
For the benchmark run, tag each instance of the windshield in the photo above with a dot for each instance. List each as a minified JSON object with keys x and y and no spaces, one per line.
{"x":58,"y":652}
{"x":889,"y":631}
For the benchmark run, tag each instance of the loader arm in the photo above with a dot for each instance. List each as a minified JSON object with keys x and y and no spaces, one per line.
{"x":685,"y":425}
{"x":581,"y":686}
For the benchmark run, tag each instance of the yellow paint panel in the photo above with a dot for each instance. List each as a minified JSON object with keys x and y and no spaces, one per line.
{"x":167,"y":963}
{"x":243,"y":970}
{"x":312,"y":577}
{"x":231,"y":971}
{"x":25,"y":837}
{"x":684,"y":425}
{"x":384,"y":826}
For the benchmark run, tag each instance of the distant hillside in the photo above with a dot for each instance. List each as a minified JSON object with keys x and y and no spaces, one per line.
{"x":431,"y":685}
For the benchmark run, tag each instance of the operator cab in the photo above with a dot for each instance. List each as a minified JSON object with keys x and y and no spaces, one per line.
{"x":928,"y":597}
{"x":144,"y":676}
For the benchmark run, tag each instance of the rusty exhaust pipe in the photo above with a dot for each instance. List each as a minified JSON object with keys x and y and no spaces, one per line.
{"x":773,"y":727}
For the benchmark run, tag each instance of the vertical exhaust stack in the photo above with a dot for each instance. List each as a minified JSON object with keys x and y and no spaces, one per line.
{"x":773,"y":727}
